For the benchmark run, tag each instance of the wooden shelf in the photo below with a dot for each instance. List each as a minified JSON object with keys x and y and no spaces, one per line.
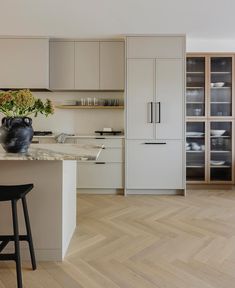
{"x":221,"y":103}
{"x":193,"y":151}
{"x":220,"y":151}
{"x":195,"y":103}
{"x":195,"y":166}
{"x":221,"y":72}
{"x":199,"y":72}
{"x":189,"y":87}
{"x":226,"y":87}
{"x":220,"y":166}
{"x":88,"y":107}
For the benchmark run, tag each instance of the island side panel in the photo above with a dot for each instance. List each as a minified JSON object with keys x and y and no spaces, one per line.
{"x":69,"y":202}
{"x":44,"y":204}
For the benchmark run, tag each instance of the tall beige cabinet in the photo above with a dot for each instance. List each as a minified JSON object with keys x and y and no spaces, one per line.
{"x":155,"y":109}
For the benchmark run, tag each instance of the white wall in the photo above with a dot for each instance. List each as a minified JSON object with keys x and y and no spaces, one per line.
{"x":101,"y":18}
{"x":79,"y":121}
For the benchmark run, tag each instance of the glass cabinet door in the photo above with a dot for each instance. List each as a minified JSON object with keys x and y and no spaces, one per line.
{"x":221,"y":86}
{"x":195,"y":150}
{"x":195,"y":92}
{"x":221,"y":151}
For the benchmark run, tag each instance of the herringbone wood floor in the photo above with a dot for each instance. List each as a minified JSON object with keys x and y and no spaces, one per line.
{"x":144,"y":242}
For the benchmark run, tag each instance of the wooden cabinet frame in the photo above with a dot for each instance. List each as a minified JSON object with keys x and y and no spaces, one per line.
{"x":207,"y":119}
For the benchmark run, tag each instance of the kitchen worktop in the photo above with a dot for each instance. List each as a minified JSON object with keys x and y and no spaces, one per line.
{"x":121,"y":136}
{"x":55,"y":152}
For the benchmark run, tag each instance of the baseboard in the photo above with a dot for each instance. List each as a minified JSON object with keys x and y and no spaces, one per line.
{"x":210,"y":187}
{"x":101,"y":191}
{"x":155,"y":192}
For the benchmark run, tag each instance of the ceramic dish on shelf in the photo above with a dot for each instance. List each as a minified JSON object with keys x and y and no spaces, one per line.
{"x":217,"y":132}
{"x":217,"y":163}
{"x":193,"y":134}
{"x":219,"y":84}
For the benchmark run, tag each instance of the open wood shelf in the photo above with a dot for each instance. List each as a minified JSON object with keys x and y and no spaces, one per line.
{"x":88,"y":107}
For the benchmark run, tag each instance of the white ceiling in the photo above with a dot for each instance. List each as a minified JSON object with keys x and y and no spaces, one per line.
{"x":98,"y":18}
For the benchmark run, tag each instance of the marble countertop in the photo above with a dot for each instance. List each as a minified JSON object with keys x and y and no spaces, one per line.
{"x":92,"y":136}
{"x":55,"y":152}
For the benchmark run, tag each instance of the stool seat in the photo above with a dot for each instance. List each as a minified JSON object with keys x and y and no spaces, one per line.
{"x":14,"y":192}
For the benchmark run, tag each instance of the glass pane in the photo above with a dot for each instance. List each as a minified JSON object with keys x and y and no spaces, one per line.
{"x":221,"y":151}
{"x":221,"y":86}
{"x":195,"y":86}
{"x":195,"y":148}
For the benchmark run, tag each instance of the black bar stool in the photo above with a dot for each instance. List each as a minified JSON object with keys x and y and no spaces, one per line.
{"x":13,"y":194}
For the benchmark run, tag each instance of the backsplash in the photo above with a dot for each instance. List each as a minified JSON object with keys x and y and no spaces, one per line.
{"x":79,"y":121}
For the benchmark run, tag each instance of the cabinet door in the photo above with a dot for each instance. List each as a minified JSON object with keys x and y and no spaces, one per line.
{"x":221,"y":90}
{"x":87,"y":65}
{"x":140,"y":93}
{"x":62,"y":65}
{"x":100,"y":175}
{"x":196,"y":86}
{"x":221,"y":154}
{"x":195,"y":151}
{"x":24,"y":63}
{"x":169,"y":98}
{"x":155,"y":46}
{"x":154,"y":164}
{"x":112,"y":66}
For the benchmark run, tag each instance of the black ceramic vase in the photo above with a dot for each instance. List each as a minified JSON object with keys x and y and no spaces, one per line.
{"x":16,"y":134}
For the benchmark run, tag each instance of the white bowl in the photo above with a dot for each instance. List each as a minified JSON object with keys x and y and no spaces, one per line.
{"x":219,"y":84}
{"x":217,"y":132}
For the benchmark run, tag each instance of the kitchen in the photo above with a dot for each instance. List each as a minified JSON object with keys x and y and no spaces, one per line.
{"x":140,"y":120}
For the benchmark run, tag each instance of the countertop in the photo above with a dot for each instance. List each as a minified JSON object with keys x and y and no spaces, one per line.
{"x":55,"y":152}
{"x":90,"y":136}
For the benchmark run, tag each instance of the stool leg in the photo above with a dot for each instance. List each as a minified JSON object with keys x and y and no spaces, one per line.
{"x":29,"y":233}
{"x":17,"y":243}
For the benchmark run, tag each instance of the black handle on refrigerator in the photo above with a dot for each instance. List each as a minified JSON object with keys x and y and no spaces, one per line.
{"x":158,"y":112}
{"x":150,"y":112}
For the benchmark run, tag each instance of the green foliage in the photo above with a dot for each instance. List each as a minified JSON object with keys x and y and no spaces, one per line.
{"x":22,"y":103}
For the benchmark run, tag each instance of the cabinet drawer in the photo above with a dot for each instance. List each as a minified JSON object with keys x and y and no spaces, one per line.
{"x":108,"y":143}
{"x":155,"y":166}
{"x":108,"y":175}
{"x":156,"y":47}
{"x":112,"y":155}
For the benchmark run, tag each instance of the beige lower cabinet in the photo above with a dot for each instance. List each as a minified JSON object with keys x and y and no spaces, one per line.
{"x":105,"y":173}
{"x":108,"y":171}
{"x":100,"y":175}
{"x":156,"y":164}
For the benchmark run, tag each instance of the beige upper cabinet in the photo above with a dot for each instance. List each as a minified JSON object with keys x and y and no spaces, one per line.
{"x":62,"y":65}
{"x":112,"y":65}
{"x":156,"y":47}
{"x":87,"y":65}
{"x":24,"y":63}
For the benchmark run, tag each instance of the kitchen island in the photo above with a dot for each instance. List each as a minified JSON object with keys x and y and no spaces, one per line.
{"x":52,"y":202}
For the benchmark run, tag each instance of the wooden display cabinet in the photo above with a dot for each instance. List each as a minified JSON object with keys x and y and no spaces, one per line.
{"x":210,"y":119}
